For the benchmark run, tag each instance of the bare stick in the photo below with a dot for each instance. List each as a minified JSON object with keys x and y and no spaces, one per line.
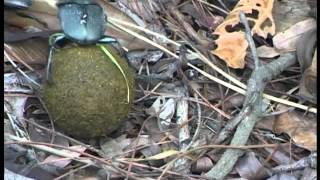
{"x":251,"y":112}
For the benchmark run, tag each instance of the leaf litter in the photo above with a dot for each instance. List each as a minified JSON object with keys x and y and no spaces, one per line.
{"x":176,"y":117}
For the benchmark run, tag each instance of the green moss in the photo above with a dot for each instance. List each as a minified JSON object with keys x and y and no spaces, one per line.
{"x":88,"y":94}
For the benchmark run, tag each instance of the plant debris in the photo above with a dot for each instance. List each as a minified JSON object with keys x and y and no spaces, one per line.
{"x":223,"y":89}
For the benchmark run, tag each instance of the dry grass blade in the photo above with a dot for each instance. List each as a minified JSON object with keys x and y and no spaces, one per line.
{"x":206,"y":60}
{"x":241,"y":91}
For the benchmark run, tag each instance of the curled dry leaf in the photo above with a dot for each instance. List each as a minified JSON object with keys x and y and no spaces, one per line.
{"x":279,"y":156}
{"x":309,"y":173}
{"x":150,"y":151}
{"x":164,"y":109}
{"x":308,"y":84}
{"x":288,"y":12}
{"x":300,"y":128}
{"x":231,"y":43}
{"x":143,"y":8}
{"x":11,"y":175}
{"x":267,"y":52}
{"x":163,"y":155}
{"x":286,"y":176}
{"x":249,"y":167}
{"x":31,"y":51}
{"x":110,"y":147}
{"x":63,"y":162}
{"x":287,"y":40}
{"x":203,"y":164}
{"x":306,"y":47}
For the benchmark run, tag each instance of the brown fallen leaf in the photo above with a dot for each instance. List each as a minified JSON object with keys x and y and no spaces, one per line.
{"x":231,"y":43}
{"x":162,"y":155}
{"x":143,"y":8}
{"x":287,"y":40}
{"x":300,"y":128}
{"x":203,"y":164}
{"x":308,"y":83}
{"x":30,"y":51}
{"x":267,"y":52}
{"x":306,"y":47}
{"x":289,"y":12}
{"x":63,"y":162}
{"x":249,"y":167}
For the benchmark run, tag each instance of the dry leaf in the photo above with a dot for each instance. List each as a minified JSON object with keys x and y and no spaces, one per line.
{"x":110,"y":147}
{"x":249,"y":167}
{"x":289,"y":12}
{"x":150,"y":151}
{"x":163,"y":155}
{"x":267,"y":52}
{"x":308,"y":84}
{"x":31,"y":51}
{"x":231,"y":43}
{"x":305,"y":48}
{"x":63,"y":162}
{"x":279,"y":156}
{"x":301,"y":129}
{"x":287,"y":40}
{"x":286,"y":176}
{"x":143,"y":8}
{"x":204,"y":164}
{"x":309,"y":173}
{"x":164,"y":109}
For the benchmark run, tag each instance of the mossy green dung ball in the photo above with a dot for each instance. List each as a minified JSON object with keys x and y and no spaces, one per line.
{"x":87,"y":96}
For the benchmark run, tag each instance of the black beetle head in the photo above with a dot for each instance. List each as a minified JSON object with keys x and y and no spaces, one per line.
{"x":82,"y":21}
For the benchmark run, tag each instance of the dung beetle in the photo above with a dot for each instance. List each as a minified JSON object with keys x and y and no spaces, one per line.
{"x":82,"y":22}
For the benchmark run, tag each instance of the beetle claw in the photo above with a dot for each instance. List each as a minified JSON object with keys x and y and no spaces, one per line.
{"x":53,"y":41}
{"x":49,"y":65}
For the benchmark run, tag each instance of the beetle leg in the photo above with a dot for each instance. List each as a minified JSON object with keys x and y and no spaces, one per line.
{"x":49,"y":65}
{"x":53,"y":40}
{"x":56,"y":38}
{"x":111,"y":40}
{"x":108,"y":39}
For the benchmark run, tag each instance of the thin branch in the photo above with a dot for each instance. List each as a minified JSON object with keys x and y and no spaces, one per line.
{"x":250,"y":114}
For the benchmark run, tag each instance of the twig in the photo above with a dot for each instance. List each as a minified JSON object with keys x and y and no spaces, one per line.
{"x":148,"y":94}
{"x":14,"y":54}
{"x":184,"y":134}
{"x":72,"y":171}
{"x":159,"y":169}
{"x":251,"y":111}
{"x":20,"y":71}
{"x":188,"y":28}
{"x":136,"y":144}
{"x":89,"y":160}
{"x":144,"y":39}
{"x":99,"y":152}
{"x":216,"y":7}
{"x":239,"y":147}
{"x":221,"y":112}
{"x":309,"y":161}
{"x":241,"y":91}
{"x":250,"y":41}
{"x":205,"y":60}
{"x":199,"y":123}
